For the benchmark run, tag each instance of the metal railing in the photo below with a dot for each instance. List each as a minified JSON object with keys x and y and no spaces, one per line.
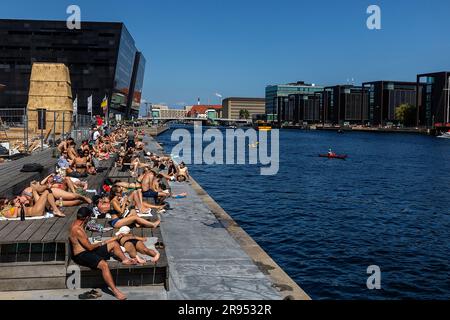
{"x":25,"y":131}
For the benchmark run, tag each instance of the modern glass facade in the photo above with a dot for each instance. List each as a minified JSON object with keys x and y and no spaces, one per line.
{"x":344,"y":104}
{"x":434,"y":103}
{"x":384,"y":97}
{"x":274,"y":91}
{"x":137,"y":97}
{"x":100,"y":59}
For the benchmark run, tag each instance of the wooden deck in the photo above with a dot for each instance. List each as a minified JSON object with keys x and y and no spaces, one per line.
{"x":35,"y":254}
{"x":12,"y":181}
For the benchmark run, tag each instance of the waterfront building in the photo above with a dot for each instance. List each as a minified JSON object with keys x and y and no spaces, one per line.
{"x":187,"y":109}
{"x":303,"y":108}
{"x":344,"y":104}
{"x":434,"y":103}
{"x":383,"y":98}
{"x":102,"y":59}
{"x":212,"y":112}
{"x":277,"y":97}
{"x":232,"y":107}
{"x":166,"y":112}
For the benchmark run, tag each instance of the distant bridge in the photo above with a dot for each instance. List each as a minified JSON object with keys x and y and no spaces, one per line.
{"x":167,"y":119}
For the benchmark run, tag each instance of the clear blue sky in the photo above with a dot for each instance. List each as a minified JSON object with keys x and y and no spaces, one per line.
{"x":236,"y":47}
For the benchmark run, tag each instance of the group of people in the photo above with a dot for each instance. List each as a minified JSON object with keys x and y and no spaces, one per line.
{"x":125,"y":205}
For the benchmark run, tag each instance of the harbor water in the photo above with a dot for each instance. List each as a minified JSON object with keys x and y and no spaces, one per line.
{"x":326,"y":221}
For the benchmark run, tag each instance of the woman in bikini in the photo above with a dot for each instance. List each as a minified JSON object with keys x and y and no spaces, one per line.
{"x":134,"y":245}
{"x":60,"y":197}
{"x":34,"y":206}
{"x":122,"y":215}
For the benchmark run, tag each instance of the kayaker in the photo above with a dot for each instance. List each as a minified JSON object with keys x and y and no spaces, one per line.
{"x":331,"y":153}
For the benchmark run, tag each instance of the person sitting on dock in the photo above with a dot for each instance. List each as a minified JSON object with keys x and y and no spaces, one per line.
{"x":150,"y":188}
{"x":71,"y":152}
{"x":81,"y":167}
{"x":134,"y":245}
{"x":135,"y":192}
{"x":183,"y":173}
{"x":124,"y":215}
{"x":64,"y":145}
{"x":94,"y":256}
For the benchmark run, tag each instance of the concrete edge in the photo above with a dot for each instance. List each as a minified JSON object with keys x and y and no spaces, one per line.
{"x":287,"y":287}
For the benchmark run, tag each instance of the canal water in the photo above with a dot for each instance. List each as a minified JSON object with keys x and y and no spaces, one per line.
{"x":326,"y":221}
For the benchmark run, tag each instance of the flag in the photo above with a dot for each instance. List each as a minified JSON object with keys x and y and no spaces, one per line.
{"x":89,"y":109}
{"x":104,"y":104}
{"x":75,"y":105}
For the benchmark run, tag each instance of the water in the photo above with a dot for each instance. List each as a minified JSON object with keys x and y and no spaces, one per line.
{"x":325,"y":221}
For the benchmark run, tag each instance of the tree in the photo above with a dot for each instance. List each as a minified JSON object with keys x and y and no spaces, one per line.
{"x":406,"y":114}
{"x":244,"y":114}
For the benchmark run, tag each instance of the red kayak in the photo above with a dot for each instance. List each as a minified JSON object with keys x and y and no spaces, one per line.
{"x":336,"y":156}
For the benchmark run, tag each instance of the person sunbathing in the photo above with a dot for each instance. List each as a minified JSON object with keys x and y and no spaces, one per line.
{"x":134,"y":245}
{"x":35,"y":205}
{"x":123,"y":215}
{"x":63,"y":198}
{"x":94,"y":256}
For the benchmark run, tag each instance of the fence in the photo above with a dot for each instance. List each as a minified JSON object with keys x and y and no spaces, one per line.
{"x":25,"y":131}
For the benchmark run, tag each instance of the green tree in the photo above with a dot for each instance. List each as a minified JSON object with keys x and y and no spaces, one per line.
{"x":406,"y":114}
{"x":244,"y":114}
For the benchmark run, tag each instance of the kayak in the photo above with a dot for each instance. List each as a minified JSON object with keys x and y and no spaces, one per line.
{"x":337,"y":156}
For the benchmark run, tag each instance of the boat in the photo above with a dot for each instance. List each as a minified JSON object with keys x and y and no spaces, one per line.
{"x":335,"y":156}
{"x":445,"y":135}
{"x":264,"y":128}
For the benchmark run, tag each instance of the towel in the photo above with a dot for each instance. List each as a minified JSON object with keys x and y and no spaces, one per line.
{"x":46,"y":216}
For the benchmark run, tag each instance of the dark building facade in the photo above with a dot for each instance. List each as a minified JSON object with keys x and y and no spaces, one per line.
{"x":102,"y":59}
{"x":344,"y":103}
{"x":434,"y":102}
{"x":304,"y":107}
{"x":383,"y":97}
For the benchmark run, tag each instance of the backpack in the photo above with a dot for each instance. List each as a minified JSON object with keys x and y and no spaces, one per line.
{"x":32,"y":167}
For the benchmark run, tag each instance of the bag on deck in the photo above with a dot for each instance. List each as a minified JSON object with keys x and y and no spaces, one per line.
{"x":32,"y":167}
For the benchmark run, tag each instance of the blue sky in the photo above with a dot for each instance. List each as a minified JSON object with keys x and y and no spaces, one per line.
{"x":236,"y":47}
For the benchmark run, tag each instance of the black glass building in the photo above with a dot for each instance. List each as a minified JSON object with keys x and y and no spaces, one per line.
{"x":304,"y":107}
{"x":383,"y":98}
{"x":102,"y":59}
{"x":434,"y":103}
{"x":345,"y":103}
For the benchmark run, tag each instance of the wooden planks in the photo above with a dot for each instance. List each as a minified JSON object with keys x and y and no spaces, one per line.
{"x":12,"y":181}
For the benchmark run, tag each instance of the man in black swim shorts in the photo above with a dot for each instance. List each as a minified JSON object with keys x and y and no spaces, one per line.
{"x":94,"y":256}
